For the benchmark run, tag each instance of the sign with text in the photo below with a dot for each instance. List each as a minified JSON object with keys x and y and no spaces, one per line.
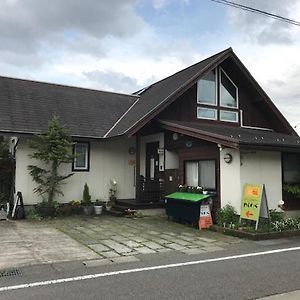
{"x":205,"y":220}
{"x":251,"y":202}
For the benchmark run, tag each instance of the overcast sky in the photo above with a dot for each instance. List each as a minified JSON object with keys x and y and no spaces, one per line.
{"x":123,"y":45}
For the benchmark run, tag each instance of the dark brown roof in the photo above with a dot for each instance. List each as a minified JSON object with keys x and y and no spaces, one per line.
{"x":26,"y":107}
{"x":157,"y":95}
{"x":236,"y":137}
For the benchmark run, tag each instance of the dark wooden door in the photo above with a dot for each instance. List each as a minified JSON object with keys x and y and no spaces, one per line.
{"x":152,"y":163}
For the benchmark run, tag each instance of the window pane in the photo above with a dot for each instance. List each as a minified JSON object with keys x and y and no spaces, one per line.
{"x":230,"y":116}
{"x":207,"y":174}
{"x":228,"y":92}
{"x":81,"y":156}
{"x":206,"y":113}
{"x":291,"y":168}
{"x":191,"y":173}
{"x":206,"y":89}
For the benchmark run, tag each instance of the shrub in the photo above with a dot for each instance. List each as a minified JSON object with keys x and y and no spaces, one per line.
{"x":227,"y":215}
{"x":86,"y":197}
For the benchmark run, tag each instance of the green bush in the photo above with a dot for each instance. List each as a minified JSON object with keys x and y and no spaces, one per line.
{"x":86,"y":197}
{"x":227,"y":215}
{"x":276,"y":215}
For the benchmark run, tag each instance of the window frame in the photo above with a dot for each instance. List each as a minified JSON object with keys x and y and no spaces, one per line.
{"x":216,"y":89}
{"x":229,"y":111}
{"x":197,"y":161}
{"x":207,"y":108}
{"x":86,"y":168}
{"x":236,"y":90}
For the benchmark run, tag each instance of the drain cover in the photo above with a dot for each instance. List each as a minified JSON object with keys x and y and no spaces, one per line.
{"x":9,"y":273}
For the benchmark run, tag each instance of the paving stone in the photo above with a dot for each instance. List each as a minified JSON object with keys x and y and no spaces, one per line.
{"x":125,"y":259}
{"x":118,"y":238}
{"x":138,"y":239}
{"x":152,"y":245}
{"x":161,"y":241}
{"x":164,"y":250}
{"x":97,"y":262}
{"x":110,"y":254}
{"x":131,"y":244}
{"x":193,"y":251}
{"x":176,"y":246}
{"x":181,"y":242}
{"x":213,"y":248}
{"x":116,"y":246}
{"x":99,"y":247}
{"x":207,"y":240}
{"x":144,"y":250}
{"x":153,"y":232}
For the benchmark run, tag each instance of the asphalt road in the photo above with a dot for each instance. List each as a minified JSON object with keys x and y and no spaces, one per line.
{"x":213,"y":276}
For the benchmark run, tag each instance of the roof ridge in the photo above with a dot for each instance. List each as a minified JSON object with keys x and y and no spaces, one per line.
{"x":67,"y":86}
{"x":141,"y":91}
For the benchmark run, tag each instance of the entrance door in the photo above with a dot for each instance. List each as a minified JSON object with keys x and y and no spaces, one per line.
{"x":152,"y":163}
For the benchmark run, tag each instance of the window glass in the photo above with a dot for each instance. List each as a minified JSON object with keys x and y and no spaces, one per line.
{"x":202,"y":173}
{"x":191,"y":173}
{"x":206,"y":89}
{"x":81,"y":156}
{"x":230,"y":116}
{"x":206,"y":113}
{"x":291,"y":168}
{"x":207,"y":174}
{"x":228,"y":92}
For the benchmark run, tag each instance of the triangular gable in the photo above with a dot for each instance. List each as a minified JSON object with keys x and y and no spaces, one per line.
{"x":155,"y":98}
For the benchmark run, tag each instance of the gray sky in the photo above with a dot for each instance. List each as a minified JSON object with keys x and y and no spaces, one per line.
{"x":123,"y":45}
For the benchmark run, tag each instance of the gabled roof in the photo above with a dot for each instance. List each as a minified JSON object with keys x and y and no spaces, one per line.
{"x":27,"y":106}
{"x":235,"y":137}
{"x":159,"y":95}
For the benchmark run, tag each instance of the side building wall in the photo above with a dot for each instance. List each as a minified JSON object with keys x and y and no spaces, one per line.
{"x":257,"y":167}
{"x":108,"y":160}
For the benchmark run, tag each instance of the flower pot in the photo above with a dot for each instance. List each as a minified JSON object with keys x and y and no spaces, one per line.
{"x":88,"y":210}
{"x":98,"y":209}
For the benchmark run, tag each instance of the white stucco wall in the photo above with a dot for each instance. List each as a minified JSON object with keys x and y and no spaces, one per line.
{"x":263,"y":167}
{"x":257,"y":167}
{"x":230,"y":179}
{"x":108,"y":159}
{"x":157,"y":137}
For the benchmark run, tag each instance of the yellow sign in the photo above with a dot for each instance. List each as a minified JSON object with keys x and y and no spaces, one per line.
{"x":251,"y":201}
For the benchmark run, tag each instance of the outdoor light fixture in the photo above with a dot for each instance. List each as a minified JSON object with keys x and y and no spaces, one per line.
{"x":228,"y":158}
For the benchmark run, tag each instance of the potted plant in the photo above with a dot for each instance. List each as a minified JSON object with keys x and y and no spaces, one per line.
{"x":76,"y":206}
{"x":46,"y":209}
{"x":98,"y":206}
{"x":86,"y":202}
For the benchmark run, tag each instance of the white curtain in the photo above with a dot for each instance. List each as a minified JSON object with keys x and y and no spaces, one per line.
{"x":207,"y":174}
{"x":191,"y":173}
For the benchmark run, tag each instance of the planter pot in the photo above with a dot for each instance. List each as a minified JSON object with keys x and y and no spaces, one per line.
{"x":88,"y":210}
{"x":98,"y":209}
{"x":49,"y":211}
{"x":76,"y":210}
{"x":66,"y":210}
{"x":108,"y":206}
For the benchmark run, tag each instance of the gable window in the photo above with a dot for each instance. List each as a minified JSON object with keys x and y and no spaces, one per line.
{"x":206,"y":113}
{"x":81,"y":162}
{"x":206,"y":89}
{"x":217,"y":97}
{"x":228,"y":91}
{"x":229,"y":116}
{"x":202,"y":173}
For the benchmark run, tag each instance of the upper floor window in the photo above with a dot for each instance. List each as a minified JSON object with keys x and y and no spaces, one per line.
{"x":217,"y":97}
{"x":82,"y":156}
{"x":228,"y":91}
{"x":206,"y":92}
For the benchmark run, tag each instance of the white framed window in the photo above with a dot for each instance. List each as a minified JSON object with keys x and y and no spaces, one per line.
{"x":202,"y":173}
{"x":81,"y":151}
{"x":228,"y":91}
{"x":229,"y":116}
{"x":206,"y":113}
{"x":207,"y":89}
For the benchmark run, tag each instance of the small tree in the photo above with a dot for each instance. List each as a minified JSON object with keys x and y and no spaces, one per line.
{"x":86,"y":197}
{"x":52,"y":149}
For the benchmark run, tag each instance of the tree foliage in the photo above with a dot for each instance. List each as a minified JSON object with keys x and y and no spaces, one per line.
{"x":52,"y":149}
